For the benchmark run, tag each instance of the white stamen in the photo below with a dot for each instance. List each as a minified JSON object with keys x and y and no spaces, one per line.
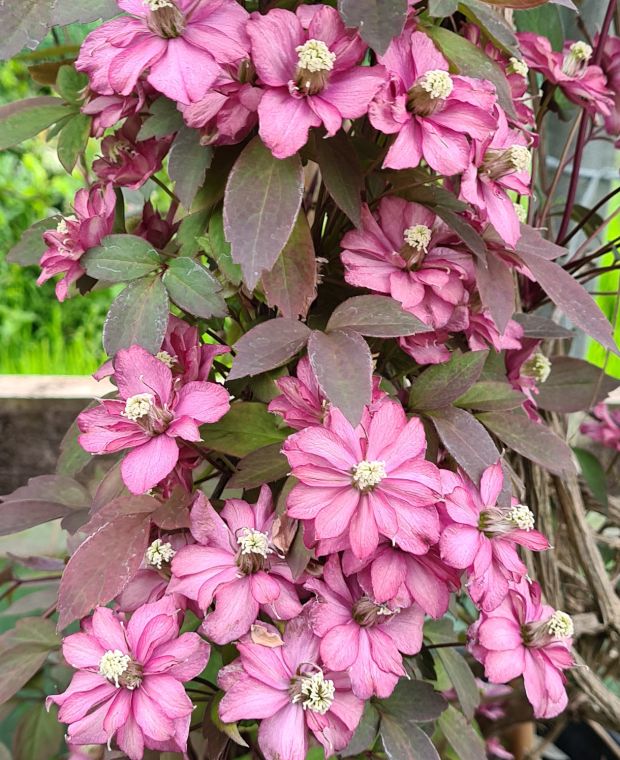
{"x":62,"y":227}
{"x":166,"y":358}
{"x":314,"y":55}
{"x":537,"y":366}
{"x":580,"y":51}
{"x":437,"y":83}
{"x":113,"y":664}
{"x":522,"y":516}
{"x":317,"y":693}
{"x":254,"y":542}
{"x":138,"y":406}
{"x":159,"y":552}
{"x":519,"y":156}
{"x":516,"y":66}
{"x":418,"y":237}
{"x":155,"y":5}
{"x":368,"y":474}
{"x":560,"y":625}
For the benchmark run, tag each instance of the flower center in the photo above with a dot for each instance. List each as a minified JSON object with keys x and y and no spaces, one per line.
{"x":418,"y":237}
{"x":499,"y":163}
{"x":159,"y":553}
{"x":120,"y":669}
{"x":314,"y":692}
{"x":522,"y":516}
{"x":314,"y":62}
{"x":560,"y":625}
{"x":253,"y":550}
{"x":165,"y":19}
{"x":576,"y":59}
{"x":366,"y":612}
{"x":515,"y":66}
{"x":138,"y":406}
{"x":437,"y":83}
{"x":166,"y":358}
{"x":537,"y":366}
{"x":368,"y":474}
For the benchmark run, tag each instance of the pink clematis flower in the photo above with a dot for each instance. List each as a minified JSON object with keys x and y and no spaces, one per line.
{"x":75,"y":234}
{"x":427,"y":348}
{"x":308,"y":65}
{"x":359,"y":635}
{"x":610,"y":63}
{"x":108,"y":110}
{"x":481,"y":331}
{"x":129,"y":684}
{"x":431,"y":111}
{"x":525,"y":369}
{"x":176,"y":41}
{"x":128,"y":162}
{"x":153,"y":412}
{"x":405,"y":252}
{"x":525,"y":637}
{"x":302,"y":403}
{"x":288,"y":689}
{"x":499,"y":164}
{"x":399,"y":579}
{"x":482,"y":537}
{"x":357,"y":484}
{"x":154,"y":227}
{"x":582,"y":83}
{"x":605,"y":427}
{"x":235,"y":563}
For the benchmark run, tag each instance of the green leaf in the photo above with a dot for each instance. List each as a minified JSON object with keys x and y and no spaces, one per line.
{"x":31,"y":246}
{"x":261,"y":466}
{"x":187,"y":164}
{"x":73,"y":139}
{"x":138,"y":315}
{"x":490,"y":396}
{"x":192,"y":227}
{"x":442,"y":8}
{"x":70,"y":83}
{"x":467,"y":744}
{"x":470,"y":61}
{"x":248,"y":426}
{"x":547,"y":20}
{"x":291,"y":284}
{"x":365,"y":734}
{"x":375,"y":316}
{"x":164,"y":119}
{"x":26,"y":118}
{"x":23,"y":650}
{"x":38,"y":733}
{"x":378,"y":21}
{"x":217,"y":248}
{"x":593,"y":473}
{"x":194,"y":289}
{"x":121,"y":258}
{"x":494,"y":26}
{"x":342,"y":173}
{"x":406,"y":744}
{"x":441,"y":384}
{"x":413,"y":702}
{"x":261,"y":203}
{"x":531,"y":440}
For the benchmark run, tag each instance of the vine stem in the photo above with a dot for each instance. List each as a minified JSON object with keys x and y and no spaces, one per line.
{"x":583,"y":127}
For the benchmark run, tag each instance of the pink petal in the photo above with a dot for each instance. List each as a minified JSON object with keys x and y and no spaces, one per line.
{"x":274,"y":38}
{"x":126,"y":67}
{"x":500,"y":633}
{"x":459,"y":545}
{"x":108,"y":630}
{"x":130,"y":739}
{"x":136,"y":371}
{"x":491,"y":484}
{"x":363,"y":533}
{"x":204,"y":402}
{"x":235,"y":611}
{"x":249,"y":698}
{"x":145,"y":466}
{"x":82,"y":650}
{"x":339,"y":647}
{"x":169,"y":694}
{"x":351,"y":91}
{"x":181,"y":658}
{"x":285,"y":122}
{"x":284,"y":734}
{"x":119,"y":711}
{"x":502,"y":667}
{"x":150,"y":716}
{"x":183,"y":73}
{"x":334,"y":518}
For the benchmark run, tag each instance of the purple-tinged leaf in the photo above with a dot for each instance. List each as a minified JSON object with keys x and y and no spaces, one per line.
{"x":291,"y":284}
{"x":530,"y":439}
{"x":365,"y":733}
{"x":342,"y":363}
{"x":532,"y":242}
{"x":187,"y":164}
{"x":497,"y":289}
{"x":465,"y":231}
{"x":573,"y":385}
{"x":40,"y":599}
{"x":376,"y":317}
{"x":164,"y":119}
{"x":261,"y":466}
{"x":298,"y":555}
{"x":23,"y":650}
{"x":570,"y":297}
{"x":267,"y":346}
{"x":38,"y":563}
{"x":26,"y":118}
{"x":31,"y":245}
{"x":535,"y":326}
{"x":261,"y":203}
{"x":122,"y":506}
{"x":173,"y":513}
{"x":440,"y":385}
{"x":410,"y":743}
{"x":102,"y":566}
{"x":493,"y":25}
{"x":491,"y":396}
{"x":138,"y":315}
{"x":378,"y":21}
{"x":69,"y":12}
{"x":465,"y":439}
{"x":466,"y":743}
{"x":72,"y":458}
{"x":342,"y":173}
{"x":413,"y":702}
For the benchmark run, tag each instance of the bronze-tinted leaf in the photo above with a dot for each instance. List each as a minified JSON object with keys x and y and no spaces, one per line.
{"x":267,"y":346}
